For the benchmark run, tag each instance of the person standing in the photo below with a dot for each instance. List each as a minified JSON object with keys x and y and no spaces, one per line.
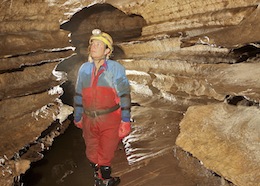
{"x":102,"y":106}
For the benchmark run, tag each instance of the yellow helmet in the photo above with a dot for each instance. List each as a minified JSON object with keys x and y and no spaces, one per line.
{"x":102,"y":36}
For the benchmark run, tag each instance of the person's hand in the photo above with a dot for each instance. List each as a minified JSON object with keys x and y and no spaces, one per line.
{"x":78,"y":124}
{"x":124,"y":129}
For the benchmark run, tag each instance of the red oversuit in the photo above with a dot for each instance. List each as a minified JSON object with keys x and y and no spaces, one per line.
{"x":102,"y":101}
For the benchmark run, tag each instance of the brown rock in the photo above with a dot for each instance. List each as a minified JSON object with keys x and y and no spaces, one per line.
{"x":27,"y":81}
{"x":30,"y":103}
{"x":37,"y":58}
{"x":25,"y":129}
{"x":225,"y":139}
{"x":197,"y":51}
{"x":25,"y":42}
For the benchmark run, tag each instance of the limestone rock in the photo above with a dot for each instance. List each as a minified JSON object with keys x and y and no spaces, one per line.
{"x":211,"y":19}
{"x":27,"y":81}
{"x":32,"y":124}
{"x":35,"y":58}
{"x":30,"y":103}
{"x":25,"y":42}
{"x":225,"y":139}
{"x":248,"y":28}
{"x":200,"y":80}
{"x":10,"y":169}
{"x":199,"y":51}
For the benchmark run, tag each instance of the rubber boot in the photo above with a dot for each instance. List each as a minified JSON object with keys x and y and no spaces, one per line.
{"x":107,"y":179}
{"x":96,"y":173}
{"x":95,"y":167}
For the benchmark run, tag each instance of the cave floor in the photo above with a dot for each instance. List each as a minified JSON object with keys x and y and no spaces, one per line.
{"x":147,"y":157}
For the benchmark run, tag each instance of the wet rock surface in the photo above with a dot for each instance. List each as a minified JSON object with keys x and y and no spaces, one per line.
{"x":186,"y":53}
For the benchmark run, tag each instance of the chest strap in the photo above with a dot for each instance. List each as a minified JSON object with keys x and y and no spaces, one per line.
{"x":95,"y":113}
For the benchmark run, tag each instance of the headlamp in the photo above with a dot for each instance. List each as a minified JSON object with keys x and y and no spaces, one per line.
{"x":96,"y":32}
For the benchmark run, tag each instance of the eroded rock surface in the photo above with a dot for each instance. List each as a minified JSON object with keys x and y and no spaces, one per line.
{"x":225,"y":139}
{"x":200,"y":52}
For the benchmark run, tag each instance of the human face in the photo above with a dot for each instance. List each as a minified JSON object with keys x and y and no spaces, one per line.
{"x":98,"y":49}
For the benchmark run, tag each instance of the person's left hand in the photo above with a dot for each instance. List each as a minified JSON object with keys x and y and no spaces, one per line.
{"x":124,"y":129}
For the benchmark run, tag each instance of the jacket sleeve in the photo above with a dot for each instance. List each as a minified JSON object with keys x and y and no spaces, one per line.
{"x":123,"y":90}
{"x":78,"y":107}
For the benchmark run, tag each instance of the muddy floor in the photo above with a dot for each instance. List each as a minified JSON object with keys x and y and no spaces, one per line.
{"x":147,"y":157}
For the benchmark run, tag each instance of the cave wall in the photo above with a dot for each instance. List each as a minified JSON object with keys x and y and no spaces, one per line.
{"x":199,"y":52}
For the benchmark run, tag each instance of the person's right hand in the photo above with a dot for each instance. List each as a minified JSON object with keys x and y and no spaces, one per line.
{"x":78,"y":124}
{"x":124,"y":129}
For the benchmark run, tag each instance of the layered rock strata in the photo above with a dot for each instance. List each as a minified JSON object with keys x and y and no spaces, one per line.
{"x":30,"y":88}
{"x":200,"y":52}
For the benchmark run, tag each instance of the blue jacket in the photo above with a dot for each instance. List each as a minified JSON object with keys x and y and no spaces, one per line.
{"x":109,"y":87}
